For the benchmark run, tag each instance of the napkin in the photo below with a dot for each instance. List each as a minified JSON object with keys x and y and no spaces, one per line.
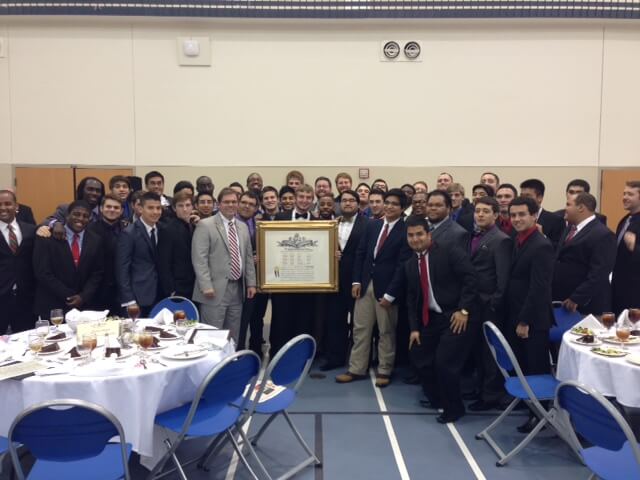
{"x":589,"y":322}
{"x":218,"y":338}
{"x":90,"y":315}
{"x":623,"y":316}
{"x":164,"y":317}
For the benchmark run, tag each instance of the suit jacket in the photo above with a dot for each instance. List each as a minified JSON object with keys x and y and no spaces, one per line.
{"x":582,"y":268}
{"x":348,"y":258}
{"x":212,"y":259}
{"x":137,"y":264}
{"x":60,"y":215}
{"x":492,"y":263}
{"x":450,"y":232}
{"x":107,"y":296}
{"x":465,"y":218}
{"x":452,"y":279}
{"x":386,"y":269}
{"x":528,"y":296}
{"x":25,"y":214}
{"x":626,"y":273}
{"x":176,"y":269}
{"x":599,"y":216}
{"x":552,"y":226}
{"x":287,"y":216}
{"x":58,"y":277}
{"x":18,"y":269}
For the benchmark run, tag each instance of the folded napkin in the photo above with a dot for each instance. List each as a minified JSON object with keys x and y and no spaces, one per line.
{"x":90,"y":315}
{"x":623,"y":316}
{"x":589,"y":322}
{"x":217,"y":338}
{"x":164,"y":317}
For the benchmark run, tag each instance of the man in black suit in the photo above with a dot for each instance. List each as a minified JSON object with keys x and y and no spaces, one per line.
{"x":552,"y":226}
{"x":137,"y":257}
{"x":175,"y":268}
{"x":68,"y":271}
{"x":626,"y":273}
{"x":91,"y":191}
{"x":491,"y":251}
{"x":293,"y":313}
{"x":584,"y":260}
{"x":16,"y":270}
{"x":461,"y":209}
{"x":376,"y":285}
{"x":528,"y":298}
{"x":25,"y":214}
{"x":109,"y":228}
{"x":575,"y":187}
{"x":351,"y":227}
{"x":440,"y":296}
{"x":443,"y":228}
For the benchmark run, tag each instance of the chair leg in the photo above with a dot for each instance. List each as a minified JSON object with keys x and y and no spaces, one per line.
{"x":501,"y":417}
{"x":299,"y":437}
{"x":256,"y":437}
{"x":246,"y":442}
{"x":160,"y":465}
{"x":523,"y":443}
{"x":212,"y":450}
{"x":236,"y":447}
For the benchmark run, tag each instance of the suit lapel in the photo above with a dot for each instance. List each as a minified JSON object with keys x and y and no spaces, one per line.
{"x":358,"y":224}
{"x":221,"y":230}
{"x":5,"y":246}
{"x":143,"y":231}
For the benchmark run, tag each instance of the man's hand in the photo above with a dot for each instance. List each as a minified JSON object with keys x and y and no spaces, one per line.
{"x":43,"y":231}
{"x":414,"y":337}
{"x":570,"y":305}
{"x":458,"y":322}
{"x":209,"y":293}
{"x":58,"y":231}
{"x":630,"y":241}
{"x":384,"y":303}
{"x":355,"y":291}
{"x":251,"y":292}
{"x":338,"y":254}
{"x":522,"y":330}
{"x":74,"y":301}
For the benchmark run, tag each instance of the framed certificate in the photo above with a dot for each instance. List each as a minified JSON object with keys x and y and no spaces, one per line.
{"x":297,"y":256}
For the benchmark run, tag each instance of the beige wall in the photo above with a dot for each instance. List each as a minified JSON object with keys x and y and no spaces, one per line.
{"x":314,"y":95}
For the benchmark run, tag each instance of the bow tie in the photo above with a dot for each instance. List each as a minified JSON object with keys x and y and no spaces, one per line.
{"x":301,"y":215}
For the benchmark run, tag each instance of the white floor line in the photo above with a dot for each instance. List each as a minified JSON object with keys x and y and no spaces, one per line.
{"x":233,"y":464}
{"x":465,"y":451}
{"x":395,"y":446}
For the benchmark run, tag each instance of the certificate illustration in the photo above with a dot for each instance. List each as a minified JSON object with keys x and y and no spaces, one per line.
{"x":297,"y":256}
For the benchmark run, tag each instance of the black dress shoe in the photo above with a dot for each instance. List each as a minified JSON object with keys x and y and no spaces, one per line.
{"x":529,"y":425}
{"x":482,"y":406}
{"x":428,"y":404}
{"x":474,"y":395}
{"x":449,"y":417}
{"x":411,"y":380}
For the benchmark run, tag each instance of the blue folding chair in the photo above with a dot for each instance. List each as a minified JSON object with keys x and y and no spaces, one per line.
{"x":289,"y":368}
{"x":70,"y":439}
{"x":220,"y":406}
{"x":614,"y":453}
{"x":531,"y":389}
{"x":565,"y":321}
{"x":177,"y":303}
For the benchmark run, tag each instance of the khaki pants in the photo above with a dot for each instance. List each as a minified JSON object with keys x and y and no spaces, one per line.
{"x":368,"y":313}
{"x":227,"y":314}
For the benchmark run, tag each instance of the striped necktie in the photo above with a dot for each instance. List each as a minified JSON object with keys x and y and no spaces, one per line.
{"x":234,"y":251}
{"x":13,"y":240}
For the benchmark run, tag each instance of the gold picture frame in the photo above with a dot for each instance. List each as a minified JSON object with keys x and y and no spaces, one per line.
{"x":297,"y":257}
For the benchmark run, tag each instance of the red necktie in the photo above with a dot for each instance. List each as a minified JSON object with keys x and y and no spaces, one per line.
{"x":13,"y":240}
{"x":424,"y":283}
{"x":75,"y":249}
{"x":383,"y":238}
{"x":572,"y":233}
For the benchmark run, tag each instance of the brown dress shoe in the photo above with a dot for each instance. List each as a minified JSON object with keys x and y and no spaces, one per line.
{"x":349,"y":377}
{"x":382,"y":380}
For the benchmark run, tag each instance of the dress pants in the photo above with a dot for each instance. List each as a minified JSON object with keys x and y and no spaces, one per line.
{"x":227,"y":314}
{"x":292,"y":315}
{"x":440,"y":358}
{"x":532,"y":353}
{"x":368,"y":313}
{"x":490,"y":379}
{"x":16,"y":310}
{"x":253,"y":311}
{"x":336,"y":327}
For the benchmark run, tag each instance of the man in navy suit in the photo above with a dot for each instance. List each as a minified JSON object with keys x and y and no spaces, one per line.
{"x":137,"y":257}
{"x":16,"y":270}
{"x":584,"y":260}
{"x":377,"y":281}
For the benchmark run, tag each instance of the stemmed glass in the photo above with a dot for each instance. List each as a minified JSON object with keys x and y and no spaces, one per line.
{"x":56,"y":317}
{"x":623,"y":331}
{"x":35,"y":342}
{"x":634,"y":318}
{"x":42,"y":328}
{"x":133,"y":311}
{"x":86,"y":344}
{"x":608,"y":320}
{"x":145,"y":341}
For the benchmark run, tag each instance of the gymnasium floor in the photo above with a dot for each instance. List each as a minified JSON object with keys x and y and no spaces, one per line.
{"x":361,"y":432}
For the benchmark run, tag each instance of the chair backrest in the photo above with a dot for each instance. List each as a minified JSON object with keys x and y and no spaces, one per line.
{"x":233,"y":378}
{"x":595,"y":418}
{"x":292,"y":362}
{"x":500,"y":349}
{"x":565,"y":320}
{"x":65,"y":430}
{"x":177,"y":303}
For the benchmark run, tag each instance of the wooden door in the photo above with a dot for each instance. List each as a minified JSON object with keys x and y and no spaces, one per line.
{"x":44,"y":188}
{"x":612,"y":185}
{"x":104,"y":174}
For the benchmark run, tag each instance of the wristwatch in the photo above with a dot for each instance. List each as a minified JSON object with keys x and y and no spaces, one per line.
{"x":464,"y":311}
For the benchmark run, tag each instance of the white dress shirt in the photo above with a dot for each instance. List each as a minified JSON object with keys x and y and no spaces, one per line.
{"x":584,"y":223}
{"x":4,"y":227}
{"x":344,"y":230}
{"x":148,"y":228}
{"x":391,"y":225}
{"x":293,"y":215}
{"x":433,"y":303}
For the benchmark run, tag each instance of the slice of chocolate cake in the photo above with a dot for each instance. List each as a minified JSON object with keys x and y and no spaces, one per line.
{"x":54,"y":347}
{"x":151,"y":328}
{"x":169,"y":335}
{"x":58,"y":336}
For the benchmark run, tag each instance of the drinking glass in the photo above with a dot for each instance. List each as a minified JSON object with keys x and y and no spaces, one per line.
{"x":181,"y":326}
{"x":608,"y":320}
{"x":622,"y":332}
{"x":42,"y":328}
{"x":634,"y":318}
{"x":179,"y":315}
{"x":88,"y":341}
{"x":36,"y":342}
{"x":56,"y":317}
{"x":133,"y":311}
{"x":145,"y":341}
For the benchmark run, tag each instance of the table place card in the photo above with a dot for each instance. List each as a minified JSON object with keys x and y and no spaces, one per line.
{"x":19,"y":369}
{"x":111,"y":328}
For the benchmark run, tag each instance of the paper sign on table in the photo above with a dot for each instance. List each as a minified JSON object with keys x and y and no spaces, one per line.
{"x":112,"y":327}
{"x":20,"y":369}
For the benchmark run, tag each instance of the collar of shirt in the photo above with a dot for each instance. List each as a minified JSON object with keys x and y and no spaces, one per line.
{"x":391,"y":224}
{"x":344,"y":219}
{"x":5,"y":226}
{"x":481,"y":232}
{"x":295,"y":212}
{"x":71,"y":233}
{"x":522,"y":237}
{"x":436,"y":225}
{"x":148,"y":227}
{"x":584,"y":223}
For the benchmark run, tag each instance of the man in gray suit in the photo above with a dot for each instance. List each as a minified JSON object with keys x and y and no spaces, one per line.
{"x":443,"y":228}
{"x":223,"y":262}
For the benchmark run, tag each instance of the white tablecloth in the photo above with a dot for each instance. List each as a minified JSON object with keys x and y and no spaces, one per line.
{"x":613,"y":377}
{"x":134,"y":396}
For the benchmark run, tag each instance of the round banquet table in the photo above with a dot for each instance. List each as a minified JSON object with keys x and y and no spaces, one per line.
{"x":613,"y":377}
{"x":134,"y":394}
